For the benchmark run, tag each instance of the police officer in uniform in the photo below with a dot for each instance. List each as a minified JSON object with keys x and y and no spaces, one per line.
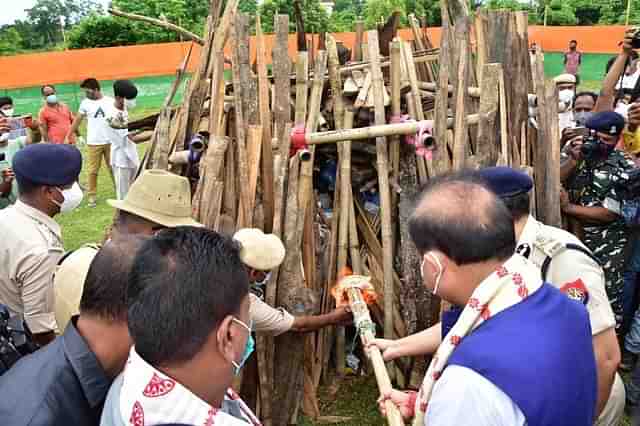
{"x":592,"y":198}
{"x":31,"y":243}
{"x":568,"y":265}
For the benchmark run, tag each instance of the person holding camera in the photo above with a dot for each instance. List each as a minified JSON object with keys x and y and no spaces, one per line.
{"x":8,"y":149}
{"x":591,"y":175}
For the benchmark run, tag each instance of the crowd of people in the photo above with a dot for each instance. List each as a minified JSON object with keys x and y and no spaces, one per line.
{"x":152,"y":325}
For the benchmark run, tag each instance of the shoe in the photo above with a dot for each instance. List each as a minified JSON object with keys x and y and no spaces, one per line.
{"x":628,"y":361}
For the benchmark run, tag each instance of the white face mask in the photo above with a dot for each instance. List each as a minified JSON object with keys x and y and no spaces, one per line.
{"x":440,"y":271}
{"x":72,"y":198}
{"x":8,"y":112}
{"x":4,"y":137}
{"x":130,"y":103}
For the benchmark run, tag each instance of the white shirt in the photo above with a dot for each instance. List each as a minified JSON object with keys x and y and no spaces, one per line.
{"x":96,"y":113}
{"x":463,"y":397}
{"x":123,"y":152}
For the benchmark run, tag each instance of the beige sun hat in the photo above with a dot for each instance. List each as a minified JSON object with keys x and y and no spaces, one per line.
{"x":565,"y":79}
{"x":68,"y":283}
{"x":161,"y":197}
{"x":260,"y":251}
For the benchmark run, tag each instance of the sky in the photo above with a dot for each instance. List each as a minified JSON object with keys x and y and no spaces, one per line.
{"x":14,"y":9}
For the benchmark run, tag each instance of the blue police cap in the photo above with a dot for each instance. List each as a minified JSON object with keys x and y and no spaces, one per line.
{"x":505,"y":181}
{"x":608,"y":122}
{"x":48,"y":164}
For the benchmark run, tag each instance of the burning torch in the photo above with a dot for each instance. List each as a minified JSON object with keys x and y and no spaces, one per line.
{"x":358,"y":293}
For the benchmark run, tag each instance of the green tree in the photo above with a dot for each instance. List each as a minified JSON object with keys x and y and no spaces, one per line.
{"x":377,"y":11}
{"x":315,"y":16}
{"x":102,"y":31}
{"x":10,"y":41}
{"x":47,"y":16}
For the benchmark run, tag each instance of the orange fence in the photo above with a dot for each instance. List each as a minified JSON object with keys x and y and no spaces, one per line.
{"x":163,"y":59}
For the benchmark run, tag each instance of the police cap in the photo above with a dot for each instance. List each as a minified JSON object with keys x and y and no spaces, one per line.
{"x":608,"y":122}
{"x":48,"y":164}
{"x":505,"y":181}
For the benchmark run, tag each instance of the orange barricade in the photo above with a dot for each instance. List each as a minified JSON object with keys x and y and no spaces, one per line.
{"x":163,"y":59}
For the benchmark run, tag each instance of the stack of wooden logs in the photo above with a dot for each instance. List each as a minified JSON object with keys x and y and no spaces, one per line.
{"x":344,"y":204}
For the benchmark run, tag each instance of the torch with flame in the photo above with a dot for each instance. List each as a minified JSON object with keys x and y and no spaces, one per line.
{"x":358,"y":293}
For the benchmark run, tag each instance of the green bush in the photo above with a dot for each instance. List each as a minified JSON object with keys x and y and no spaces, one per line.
{"x":102,"y":31}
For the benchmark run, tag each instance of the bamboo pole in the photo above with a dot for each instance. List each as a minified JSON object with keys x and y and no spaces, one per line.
{"x":396,"y":85}
{"x":364,"y":324}
{"x":265,"y":121}
{"x":254,"y":150}
{"x":382,"y":154}
{"x":361,"y":133}
{"x":157,"y":22}
{"x":357,"y":47}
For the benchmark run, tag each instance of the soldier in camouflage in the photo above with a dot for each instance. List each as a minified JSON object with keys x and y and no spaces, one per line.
{"x":593,"y":173}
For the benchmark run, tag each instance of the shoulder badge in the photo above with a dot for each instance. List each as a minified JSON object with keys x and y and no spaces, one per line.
{"x":524,"y":250}
{"x":577,"y":291}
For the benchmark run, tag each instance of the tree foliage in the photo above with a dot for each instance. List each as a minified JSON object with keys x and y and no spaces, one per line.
{"x":316,"y":18}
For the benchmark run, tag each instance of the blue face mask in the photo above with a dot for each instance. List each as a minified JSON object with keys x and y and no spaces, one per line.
{"x":248,"y":349}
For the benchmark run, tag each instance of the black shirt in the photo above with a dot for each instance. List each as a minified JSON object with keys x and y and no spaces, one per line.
{"x":61,"y":384}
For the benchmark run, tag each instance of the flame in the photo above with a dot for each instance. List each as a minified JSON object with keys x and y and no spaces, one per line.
{"x":363,"y":283}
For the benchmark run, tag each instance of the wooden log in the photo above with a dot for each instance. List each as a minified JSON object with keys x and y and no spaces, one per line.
{"x":223,"y":29}
{"x":245,"y":216}
{"x":357,"y":47}
{"x":487,"y":148}
{"x":382,"y":161}
{"x":547,"y":162}
{"x":364,"y":92}
{"x":505,"y":158}
{"x":441,"y":162}
{"x":265,"y":121}
{"x":282,"y":82}
{"x":249,"y":84}
{"x":217,"y":95}
{"x":473,"y":92}
{"x":211,"y":188}
{"x":254,"y":151}
{"x":288,"y":363}
{"x":159,"y":23}
{"x":460,"y":143}
{"x":480,"y":26}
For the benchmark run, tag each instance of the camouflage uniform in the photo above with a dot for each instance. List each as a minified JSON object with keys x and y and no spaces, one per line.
{"x":594,"y":185}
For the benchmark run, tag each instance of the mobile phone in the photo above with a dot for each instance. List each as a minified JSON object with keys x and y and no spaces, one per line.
{"x":580,"y":131}
{"x":3,"y":157}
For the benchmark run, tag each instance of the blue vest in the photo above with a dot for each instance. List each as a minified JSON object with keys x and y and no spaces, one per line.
{"x":540,"y":354}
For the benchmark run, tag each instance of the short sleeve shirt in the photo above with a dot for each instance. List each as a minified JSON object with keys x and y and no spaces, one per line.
{"x":571,"y":271}
{"x":30,"y":248}
{"x":96,"y":112}
{"x":269,"y":320}
{"x":58,"y":119}
{"x":9,"y":150}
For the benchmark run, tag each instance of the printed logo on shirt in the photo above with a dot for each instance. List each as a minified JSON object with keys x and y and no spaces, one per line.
{"x":577,"y":291}
{"x":99,"y":113}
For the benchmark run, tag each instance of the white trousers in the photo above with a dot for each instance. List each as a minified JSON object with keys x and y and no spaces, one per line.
{"x":124,"y":177}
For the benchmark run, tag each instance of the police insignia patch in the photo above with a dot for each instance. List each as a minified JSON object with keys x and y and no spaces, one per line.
{"x":577,"y":291}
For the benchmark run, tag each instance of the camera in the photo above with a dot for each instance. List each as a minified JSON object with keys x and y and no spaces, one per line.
{"x":635,"y":41}
{"x":15,"y":339}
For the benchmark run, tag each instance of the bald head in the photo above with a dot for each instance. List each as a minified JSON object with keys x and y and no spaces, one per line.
{"x":105,"y":288}
{"x":457,"y":215}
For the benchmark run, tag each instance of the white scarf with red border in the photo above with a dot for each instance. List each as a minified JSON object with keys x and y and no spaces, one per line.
{"x":149,"y":397}
{"x":509,"y":285}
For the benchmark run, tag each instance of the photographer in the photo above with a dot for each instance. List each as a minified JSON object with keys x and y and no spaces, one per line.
{"x":608,"y":93}
{"x":591,"y":176}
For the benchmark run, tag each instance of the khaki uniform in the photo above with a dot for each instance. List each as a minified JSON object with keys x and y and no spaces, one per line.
{"x":581,"y":278}
{"x":30,"y":248}
{"x":267,"y":319}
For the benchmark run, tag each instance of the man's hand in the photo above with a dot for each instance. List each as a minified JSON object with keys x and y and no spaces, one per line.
{"x":405,"y":401}
{"x":634,"y":116}
{"x":5,"y":127}
{"x":6,"y":182}
{"x":628,"y":39}
{"x":388,"y":347}
{"x":343,"y":315}
{"x":564,"y":200}
{"x":575,"y":147}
